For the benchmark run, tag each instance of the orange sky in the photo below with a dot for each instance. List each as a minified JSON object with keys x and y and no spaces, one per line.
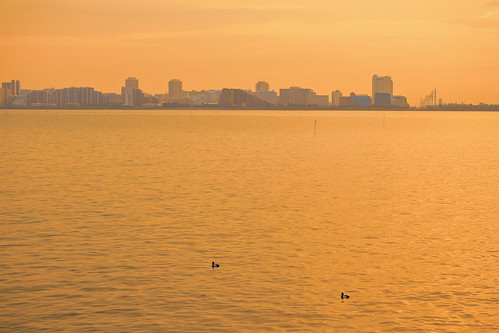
{"x":450,"y":45}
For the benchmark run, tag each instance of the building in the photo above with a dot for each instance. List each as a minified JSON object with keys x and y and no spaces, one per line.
{"x":383,"y":99}
{"x":13,"y":86}
{"x":399,"y":101}
{"x":381,"y":85}
{"x":360,"y":100}
{"x":335,"y":97}
{"x":210,"y":97}
{"x":240,"y":98}
{"x":130,"y":93}
{"x":132,"y":83}
{"x":267,"y":96}
{"x":74,"y":96}
{"x":295,"y":96}
{"x":320,"y":100}
{"x":262,"y":86}
{"x":4,"y":96}
{"x":175,"y":91}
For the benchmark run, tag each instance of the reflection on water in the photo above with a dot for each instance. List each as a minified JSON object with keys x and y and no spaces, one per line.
{"x":109,"y":220}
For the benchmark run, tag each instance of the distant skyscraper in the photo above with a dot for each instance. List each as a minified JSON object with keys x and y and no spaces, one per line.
{"x":13,"y":86}
{"x":132,"y":82}
{"x":381,"y":85}
{"x":262,"y":86}
{"x":131,"y":93}
{"x":175,"y":89}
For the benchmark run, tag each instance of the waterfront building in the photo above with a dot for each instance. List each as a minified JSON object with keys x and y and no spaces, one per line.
{"x":383,"y":99}
{"x":210,"y":97}
{"x":240,"y":98}
{"x":399,"y":101}
{"x":335,"y":97}
{"x":381,"y":85}
{"x":132,"y":83}
{"x":130,"y":93}
{"x":320,"y":100}
{"x":13,"y":86}
{"x":360,"y":100}
{"x":175,"y":91}
{"x":295,"y":96}
{"x":267,"y":96}
{"x":4,"y":96}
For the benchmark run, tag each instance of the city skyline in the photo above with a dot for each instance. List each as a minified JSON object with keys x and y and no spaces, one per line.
{"x":322,"y":44}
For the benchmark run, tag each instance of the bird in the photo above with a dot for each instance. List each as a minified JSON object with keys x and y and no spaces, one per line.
{"x":213,"y":265}
{"x":343,"y":296}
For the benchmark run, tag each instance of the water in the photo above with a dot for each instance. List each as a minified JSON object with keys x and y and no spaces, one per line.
{"x":109,"y":221}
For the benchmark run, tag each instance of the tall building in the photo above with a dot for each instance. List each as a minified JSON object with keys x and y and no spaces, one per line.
{"x":381,"y":85}
{"x":175,"y":89}
{"x":4,"y":96}
{"x":130,"y":93}
{"x":262,"y":86}
{"x":295,"y":96}
{"x":335,"y":97}
{"x":13,"y":86}
{"x":132,"y":83}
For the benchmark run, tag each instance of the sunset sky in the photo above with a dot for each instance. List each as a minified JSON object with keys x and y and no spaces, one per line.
{"x":450,"y":45}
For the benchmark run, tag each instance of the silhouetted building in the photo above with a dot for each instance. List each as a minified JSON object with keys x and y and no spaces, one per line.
{"x":4,"y":96}
{"x":360,"y":100}
{"x":320,"y":100}
{"x":383,"y":99}
{"x":132,"y":83}
{"x":209,"y":97}
{"x":74,"y":96}
{"x":400,"y":101}
{"x":14,"y":87}
{"x":267,"y":96}
{"x":130,"y":93}
{"x":381,"y":85}
{"x":295,"y":96}
{"x":346,"y":101}
{"x":262,"y":86}
{"x":335,"y":97}
{"x":175,"y":89}
{"x":240,"y":98}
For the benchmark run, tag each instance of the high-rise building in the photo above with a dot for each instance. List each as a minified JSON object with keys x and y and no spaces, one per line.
{"x":381,"y":85}
{"x":131,"y":93}
{"x":132,"y":82}
{"x":13,"y":86}
{"x":175,"y":89}
{"x":262,"y":86}
{"x":4,"y":96}
{"x":335,"y":97}
{"x":295,"y":96}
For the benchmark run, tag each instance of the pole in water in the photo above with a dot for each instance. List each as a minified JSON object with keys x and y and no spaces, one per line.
{"x":315,"y":126}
